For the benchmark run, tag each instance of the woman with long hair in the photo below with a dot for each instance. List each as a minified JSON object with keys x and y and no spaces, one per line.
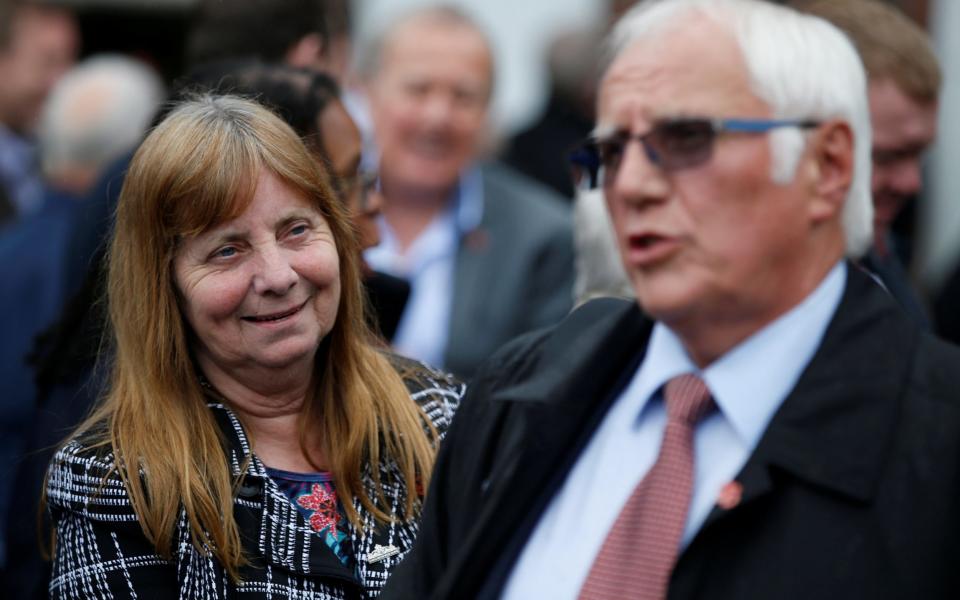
{"x":255,"y":438}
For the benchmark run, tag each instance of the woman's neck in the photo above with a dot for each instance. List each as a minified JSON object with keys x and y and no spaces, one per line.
{"x":270,"y":411}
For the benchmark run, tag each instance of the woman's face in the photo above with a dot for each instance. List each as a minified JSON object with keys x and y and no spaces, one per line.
{"x":262,"y":290}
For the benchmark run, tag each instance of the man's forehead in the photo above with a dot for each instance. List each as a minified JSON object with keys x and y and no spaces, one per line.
{"x":420,"y":32}
{"x":425,"y":47}
{"x":900,"y":122}
{"x":696,"y":69}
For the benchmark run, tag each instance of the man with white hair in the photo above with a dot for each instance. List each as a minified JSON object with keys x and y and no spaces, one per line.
{"x":757,"y":433}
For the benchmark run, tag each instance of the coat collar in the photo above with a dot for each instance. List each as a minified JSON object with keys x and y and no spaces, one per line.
{"x":591,"y":348}
{"x":852,"y":384}
{"x":835,"y":428}
{"x":552,"y":409}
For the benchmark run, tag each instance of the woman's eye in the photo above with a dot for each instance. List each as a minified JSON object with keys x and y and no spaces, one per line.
{"x":298,"y":230}
{"x":225,"y":252}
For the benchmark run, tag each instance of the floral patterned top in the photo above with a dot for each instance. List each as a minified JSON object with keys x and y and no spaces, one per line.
{"x":315,"y":497}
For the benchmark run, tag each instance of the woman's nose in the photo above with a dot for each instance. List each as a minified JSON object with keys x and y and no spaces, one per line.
{"x":275,"y":274}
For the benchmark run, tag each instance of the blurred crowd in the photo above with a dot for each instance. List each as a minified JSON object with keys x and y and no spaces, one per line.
{"x":465,"y":243}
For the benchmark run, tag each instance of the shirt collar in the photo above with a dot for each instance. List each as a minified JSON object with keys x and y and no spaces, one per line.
{"x":751,"y":380}
{"x":468,"y":202}
{"x":463,"y":214}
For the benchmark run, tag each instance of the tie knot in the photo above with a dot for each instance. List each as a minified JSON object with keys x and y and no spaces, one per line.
{"x":687,"y":398}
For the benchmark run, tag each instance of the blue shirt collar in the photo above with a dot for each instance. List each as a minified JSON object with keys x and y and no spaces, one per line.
{"x":468,"y":200}
{"x":751,"y":380}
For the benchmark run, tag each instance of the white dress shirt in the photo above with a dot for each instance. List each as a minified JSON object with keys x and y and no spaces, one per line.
{"x":748,"y":383}
{"x":429,"y":264}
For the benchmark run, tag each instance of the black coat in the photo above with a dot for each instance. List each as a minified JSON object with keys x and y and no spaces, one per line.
{"x":852,"y":492}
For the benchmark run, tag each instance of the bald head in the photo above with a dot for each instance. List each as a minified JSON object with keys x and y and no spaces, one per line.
{"x":97,"y":112}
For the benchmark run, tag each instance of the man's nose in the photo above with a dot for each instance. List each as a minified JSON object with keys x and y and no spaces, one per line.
{"x":274,"y":272}
{"x":638,"y":179}
{"x":438,"y":108}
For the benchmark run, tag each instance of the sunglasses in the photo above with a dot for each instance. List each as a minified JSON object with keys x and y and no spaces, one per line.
{"x":672,"y":145}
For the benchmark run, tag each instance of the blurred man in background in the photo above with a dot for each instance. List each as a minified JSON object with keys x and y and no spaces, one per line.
{"x":95,"y":114}
{"x":294,"y":32}
{"x":540,"y":151}
{"x":903,"y":89}
{"x":42,"y":44}
{"x":488,"y":252}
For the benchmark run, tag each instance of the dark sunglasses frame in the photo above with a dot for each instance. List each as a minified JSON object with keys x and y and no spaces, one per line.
{"x":671,"y":144}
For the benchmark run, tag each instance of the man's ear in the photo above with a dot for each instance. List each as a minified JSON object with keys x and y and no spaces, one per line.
{"x":306,"y":52}
{"x":832,"y":159}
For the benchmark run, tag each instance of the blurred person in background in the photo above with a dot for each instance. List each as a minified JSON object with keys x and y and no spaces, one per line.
{"x":286,"y":452}
{"x":42,"y":45}
{"x":94,"y":115}
{"x":904,"y":82}
{"x":488,"y":252}
{"x":295,"y":32}
{"x":541,"y":150}
{"x":6,"y":7}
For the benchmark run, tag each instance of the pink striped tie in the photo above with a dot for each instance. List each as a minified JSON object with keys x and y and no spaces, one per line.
{"x":638,"y":555}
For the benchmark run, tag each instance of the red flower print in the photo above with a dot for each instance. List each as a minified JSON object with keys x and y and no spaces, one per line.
{"x":323,"y":503}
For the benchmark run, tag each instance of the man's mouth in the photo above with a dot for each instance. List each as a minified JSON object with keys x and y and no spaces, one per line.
{"x":646,"y":249}
{"x":432,"y":146}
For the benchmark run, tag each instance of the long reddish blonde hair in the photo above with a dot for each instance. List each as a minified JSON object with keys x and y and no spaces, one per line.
{"x":197,"y":169}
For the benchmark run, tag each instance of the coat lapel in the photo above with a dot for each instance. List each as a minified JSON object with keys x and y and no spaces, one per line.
{"x":551,"y":416}
{"x":834,"y":429}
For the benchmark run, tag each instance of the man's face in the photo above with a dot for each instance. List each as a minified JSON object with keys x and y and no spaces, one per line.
{"x":42,"y":48}
{"x":903,"y":128}
{"x":715,"y":242}
{"x":429,"y":104}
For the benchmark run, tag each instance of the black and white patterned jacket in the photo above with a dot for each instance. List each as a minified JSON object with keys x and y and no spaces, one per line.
{"x":101,"y":551}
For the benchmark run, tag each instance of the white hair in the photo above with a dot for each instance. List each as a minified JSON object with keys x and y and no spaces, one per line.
{"x":598,"y":270}
{"x":97,"y":112}
{"x":801,"y":66}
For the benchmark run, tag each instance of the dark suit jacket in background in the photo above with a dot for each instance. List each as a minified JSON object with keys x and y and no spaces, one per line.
{"x":513,"y":273}
{"x":852,"y":492}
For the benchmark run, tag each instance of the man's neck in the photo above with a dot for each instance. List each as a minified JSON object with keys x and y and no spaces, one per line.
{"x":708,"y":336}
